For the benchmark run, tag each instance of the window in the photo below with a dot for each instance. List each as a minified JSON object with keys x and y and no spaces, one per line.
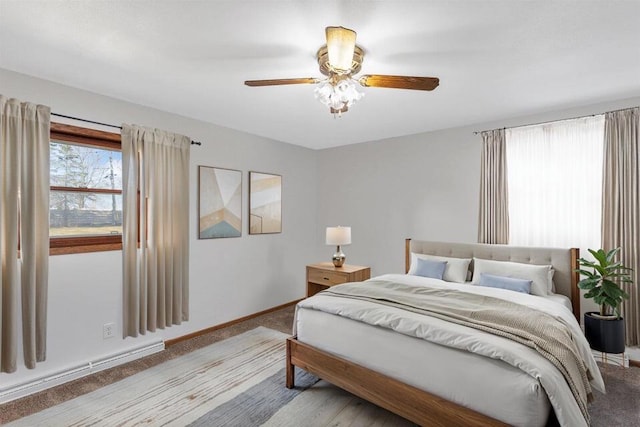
{"x":555,"y":183}
{"x":86,"y":190}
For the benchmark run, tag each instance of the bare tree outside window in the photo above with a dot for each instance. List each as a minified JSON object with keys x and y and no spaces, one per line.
{"x":86,"y":190}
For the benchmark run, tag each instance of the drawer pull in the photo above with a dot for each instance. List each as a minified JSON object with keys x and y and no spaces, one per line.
{"x":325,"y":278}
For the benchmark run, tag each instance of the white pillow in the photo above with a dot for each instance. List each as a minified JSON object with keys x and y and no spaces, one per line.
{"x":540,"y":275}
{"x":455,"y":270}
{"x":552,"y":284}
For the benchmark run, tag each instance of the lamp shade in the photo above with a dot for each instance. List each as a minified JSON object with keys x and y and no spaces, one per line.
{"x":341,"y":43}
{"x":338,"y":236}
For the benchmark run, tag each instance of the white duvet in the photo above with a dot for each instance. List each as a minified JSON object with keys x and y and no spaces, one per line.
{"x":477,"y":342}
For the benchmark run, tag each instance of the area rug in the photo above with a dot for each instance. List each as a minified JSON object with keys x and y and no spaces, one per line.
{"x":181,"y":391}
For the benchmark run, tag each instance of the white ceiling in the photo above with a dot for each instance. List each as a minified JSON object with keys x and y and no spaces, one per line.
{"x":495,"y":59}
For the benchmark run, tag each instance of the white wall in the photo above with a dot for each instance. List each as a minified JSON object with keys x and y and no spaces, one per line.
{"x":423,"y":186}
{"x":418,"y":185}
{"x":230,"y":278}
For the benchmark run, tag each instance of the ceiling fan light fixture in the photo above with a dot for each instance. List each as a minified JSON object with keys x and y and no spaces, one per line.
{"x":341,"y":44}
{"x":338,"y":93}
{"x":348,"y":92}
{"x":324,"y":92}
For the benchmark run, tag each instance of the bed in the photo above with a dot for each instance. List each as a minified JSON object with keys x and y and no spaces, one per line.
{"x":432,"y":384}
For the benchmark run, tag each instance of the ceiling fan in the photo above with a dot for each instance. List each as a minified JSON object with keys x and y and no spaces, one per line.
{"x":340,"y":59}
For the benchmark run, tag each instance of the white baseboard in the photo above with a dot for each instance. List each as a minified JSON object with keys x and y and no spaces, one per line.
{"x":34,"y":386}
{"x":612,"y":359}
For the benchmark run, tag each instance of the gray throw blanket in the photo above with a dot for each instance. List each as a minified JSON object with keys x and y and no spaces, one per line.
{"x":549,"y":336}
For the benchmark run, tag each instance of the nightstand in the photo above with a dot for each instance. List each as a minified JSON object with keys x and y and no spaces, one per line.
{"x":324,"y":275}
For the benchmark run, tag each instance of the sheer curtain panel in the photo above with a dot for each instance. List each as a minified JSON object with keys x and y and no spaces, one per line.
{"x":621,"y":205}
{"x":24,"y":224}
{"x":155,"y":241}
{"x":555,"y":181}
{"x":493,"y":223}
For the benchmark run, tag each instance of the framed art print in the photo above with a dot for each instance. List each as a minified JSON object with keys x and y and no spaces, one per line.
{"x":265,"y":203}
{"x":219,"y":203}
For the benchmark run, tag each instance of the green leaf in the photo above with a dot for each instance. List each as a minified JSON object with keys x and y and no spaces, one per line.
{"x":591,"y":281}
{"x":587,"y":273}
{"x":611,"y":254}
{"x":583,"y":262}
{"x":596,"y":254}
{"x":591,"y":294}
{"x":611,"y":302}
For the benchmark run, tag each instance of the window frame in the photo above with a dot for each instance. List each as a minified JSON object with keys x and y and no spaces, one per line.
{"x":88,"y":137}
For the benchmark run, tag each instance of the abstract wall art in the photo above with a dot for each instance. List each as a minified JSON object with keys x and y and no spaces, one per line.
{"x":220,"y":203}
{"x":265,"y":203}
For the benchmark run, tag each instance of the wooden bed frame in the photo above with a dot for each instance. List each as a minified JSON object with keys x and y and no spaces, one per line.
{"x":416,"y":405}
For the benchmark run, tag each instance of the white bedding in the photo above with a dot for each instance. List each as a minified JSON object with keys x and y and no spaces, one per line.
{"x":560,"y":299}
{"x":481,"y":383}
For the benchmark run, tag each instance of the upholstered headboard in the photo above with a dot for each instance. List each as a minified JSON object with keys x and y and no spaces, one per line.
{"x":564,"y":261}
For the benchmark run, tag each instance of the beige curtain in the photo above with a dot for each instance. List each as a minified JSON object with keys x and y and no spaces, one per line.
{"x":493,"y":224}
{"x":24,"y":224}
{"x":155,"y":229}
{"x":621,"y":204}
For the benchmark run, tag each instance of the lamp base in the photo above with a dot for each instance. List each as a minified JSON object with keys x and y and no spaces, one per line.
{"x":338,"y":258}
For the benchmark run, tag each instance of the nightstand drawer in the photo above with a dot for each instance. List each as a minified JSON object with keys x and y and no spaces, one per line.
{"x":324,"y":277}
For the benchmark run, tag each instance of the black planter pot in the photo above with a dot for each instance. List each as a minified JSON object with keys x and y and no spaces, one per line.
{"x":605,"y":335}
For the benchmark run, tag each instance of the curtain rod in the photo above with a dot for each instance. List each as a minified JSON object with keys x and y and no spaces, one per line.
{"x":103,"y":124}
{"x":551,"y":121}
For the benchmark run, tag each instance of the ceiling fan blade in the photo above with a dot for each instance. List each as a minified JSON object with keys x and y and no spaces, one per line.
{"x":399,"y":82}
{"x":276,"y":82}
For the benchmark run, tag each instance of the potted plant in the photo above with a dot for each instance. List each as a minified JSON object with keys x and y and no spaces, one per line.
{"x":602,"y":279}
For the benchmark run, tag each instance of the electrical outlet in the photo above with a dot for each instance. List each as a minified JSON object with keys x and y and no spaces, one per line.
{"x":108,"y":330}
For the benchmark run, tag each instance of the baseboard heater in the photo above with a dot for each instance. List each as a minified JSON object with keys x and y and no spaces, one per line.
{"x":34,"y":386}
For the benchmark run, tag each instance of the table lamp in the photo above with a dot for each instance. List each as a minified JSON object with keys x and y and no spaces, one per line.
{"x":338,"y":236}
